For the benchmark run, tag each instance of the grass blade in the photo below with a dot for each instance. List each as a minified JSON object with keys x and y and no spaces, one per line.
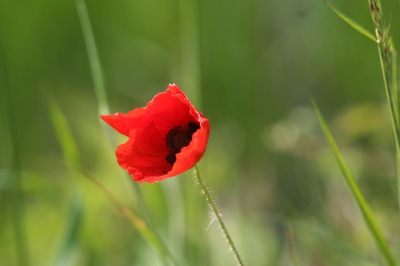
{"x":352,"y":23}
{"x":138,"y":223}
{"x":64,"y":135}
{"x":10,"y":149}
{"x":190,"y":81}
{"x":323,"y":236}
{"x":190,"y":51}
{"x":395,"y":88}
{"x":95,"y":67}
{"x":68,"y":249}
{"x":393,"y":107}
{"x":93,"y":56}
{"x":66,"y":254}
{"x":394,"y":80}
{"x":364,"y":207}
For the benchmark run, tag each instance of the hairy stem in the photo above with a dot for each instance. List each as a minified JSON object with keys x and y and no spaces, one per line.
{"x":218,"y":217}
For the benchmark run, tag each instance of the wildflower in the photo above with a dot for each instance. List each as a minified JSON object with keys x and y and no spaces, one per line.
{"x":166,"y":138}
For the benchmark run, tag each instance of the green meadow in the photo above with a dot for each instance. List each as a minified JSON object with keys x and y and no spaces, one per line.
{"x":302,"y":159}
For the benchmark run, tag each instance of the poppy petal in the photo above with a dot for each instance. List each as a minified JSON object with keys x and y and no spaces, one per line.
{"x":120,"y":122}
{"x":143,"y":155}
{"x":166,"y":137}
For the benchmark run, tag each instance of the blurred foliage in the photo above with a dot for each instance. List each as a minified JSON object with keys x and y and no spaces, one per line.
{"x":280,"y":191}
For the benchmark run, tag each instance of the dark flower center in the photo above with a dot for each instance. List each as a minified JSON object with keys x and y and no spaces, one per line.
{"x":177,"y":138}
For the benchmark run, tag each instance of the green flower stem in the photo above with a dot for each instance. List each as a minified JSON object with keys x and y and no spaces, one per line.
{"x":215,"y":211}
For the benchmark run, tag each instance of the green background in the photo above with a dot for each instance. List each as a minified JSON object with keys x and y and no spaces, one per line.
{"x":250,"y":67}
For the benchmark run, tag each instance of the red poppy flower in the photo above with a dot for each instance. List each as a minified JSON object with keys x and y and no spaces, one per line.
{"x":166,"y":138}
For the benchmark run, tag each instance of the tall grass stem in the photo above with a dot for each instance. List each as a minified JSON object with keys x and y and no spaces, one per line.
{"x":190,"y":50}
{"x":390,"y":101}
{"x":393,"y":107}
{"x":190,"y":81}
{"x":395,"y":88}
{"x":95,"y":67}
{"x":10,"y":149}
{"x":356,"y":192}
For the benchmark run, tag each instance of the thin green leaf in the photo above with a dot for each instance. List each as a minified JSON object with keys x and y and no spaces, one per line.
{"x":94,"y":61}
{"x":364,"y":207}
{"x":393,"y":102}
{"x":149,"y":235}
{"x":67,"y":253}
{"x":322,"y":235}
{"x":389,"y":96}
{"x":352,"y":23}
{"x":394,"y":81}
{"x":395,"y":88}
{"x":290,"y":238}
{"x":9,"y":150}
{"x":190,"y":50}
{"x":64,"y":135}
{"x":95,"y":67}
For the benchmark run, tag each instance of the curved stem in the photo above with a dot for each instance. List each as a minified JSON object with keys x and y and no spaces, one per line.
{"x":215,"y":211}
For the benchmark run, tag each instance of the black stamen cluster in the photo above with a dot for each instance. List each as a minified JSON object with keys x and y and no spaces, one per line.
{"x":177,"y":138}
